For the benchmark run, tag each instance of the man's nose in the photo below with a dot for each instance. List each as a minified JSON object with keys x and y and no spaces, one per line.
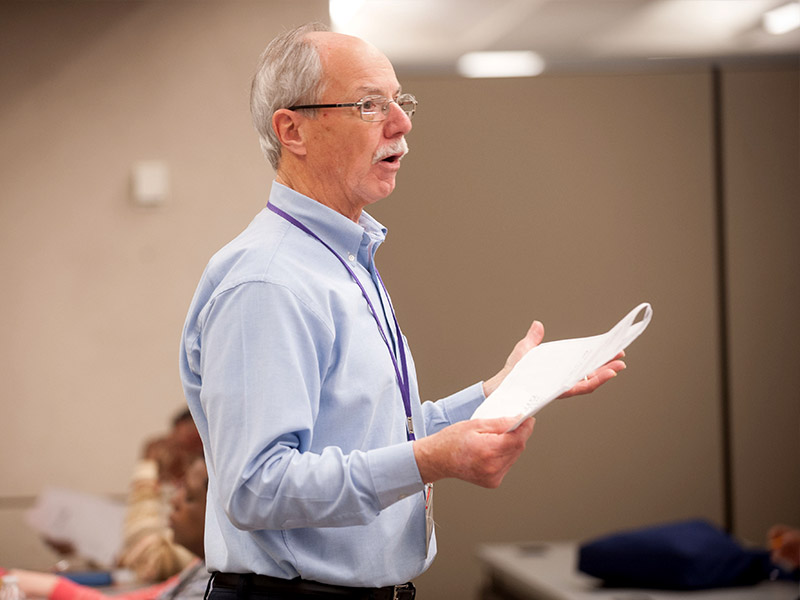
{"x":397,"y":120}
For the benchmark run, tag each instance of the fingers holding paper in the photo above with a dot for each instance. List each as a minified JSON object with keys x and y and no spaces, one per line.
{"x":532,"y":339}
{"x":480,"y":451}
{"x":597,"y":378}
{"x":537,"y":373}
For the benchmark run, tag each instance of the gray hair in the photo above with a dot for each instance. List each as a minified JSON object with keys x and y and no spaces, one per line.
{"x":289,"y":72}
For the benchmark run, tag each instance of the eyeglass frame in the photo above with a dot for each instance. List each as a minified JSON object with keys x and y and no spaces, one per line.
{"x":360,"y":104}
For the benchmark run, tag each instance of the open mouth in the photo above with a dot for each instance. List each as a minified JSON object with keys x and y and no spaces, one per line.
{"x":391,"y":154}
{"x":392,"y":159}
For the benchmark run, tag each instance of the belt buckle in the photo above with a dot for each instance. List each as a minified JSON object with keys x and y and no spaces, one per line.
{"x":398,"y":589}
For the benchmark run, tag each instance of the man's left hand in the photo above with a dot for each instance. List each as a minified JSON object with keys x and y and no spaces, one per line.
{"x":532,"y":339}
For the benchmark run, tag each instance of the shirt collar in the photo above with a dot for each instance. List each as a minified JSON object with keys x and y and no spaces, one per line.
{"x":343,"y":235}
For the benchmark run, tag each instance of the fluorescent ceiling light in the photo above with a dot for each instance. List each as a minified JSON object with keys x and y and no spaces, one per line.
{"x":782,"y":19}
{"x":500,"y":64}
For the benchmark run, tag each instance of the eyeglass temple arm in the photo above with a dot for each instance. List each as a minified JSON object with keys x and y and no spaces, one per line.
{"x":324,"y":105}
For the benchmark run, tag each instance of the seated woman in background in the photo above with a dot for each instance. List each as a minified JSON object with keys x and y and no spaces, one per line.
{"x":187,"y":521}
{"x":148,"y":549}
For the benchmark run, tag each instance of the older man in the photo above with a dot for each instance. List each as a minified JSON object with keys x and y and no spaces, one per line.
{"x":321,"y":456}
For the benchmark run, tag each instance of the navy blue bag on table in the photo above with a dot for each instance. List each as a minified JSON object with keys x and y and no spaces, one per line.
{"x":687,"y":555}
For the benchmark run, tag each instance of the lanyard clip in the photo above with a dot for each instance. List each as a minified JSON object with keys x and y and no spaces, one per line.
{"x":410,"y":425}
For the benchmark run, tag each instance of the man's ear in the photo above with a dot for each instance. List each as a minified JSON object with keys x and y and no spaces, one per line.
{"x":287,"y":124}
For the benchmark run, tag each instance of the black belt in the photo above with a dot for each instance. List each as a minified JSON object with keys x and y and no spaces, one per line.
{"x":245,"y":583}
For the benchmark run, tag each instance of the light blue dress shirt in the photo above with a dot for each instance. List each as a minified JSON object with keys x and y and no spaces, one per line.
{"x":295,"y":397}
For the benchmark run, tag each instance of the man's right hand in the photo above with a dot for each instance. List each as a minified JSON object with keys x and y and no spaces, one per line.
{"x":477,"y":451}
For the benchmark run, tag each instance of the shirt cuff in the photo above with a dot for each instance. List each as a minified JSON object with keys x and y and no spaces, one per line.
{"x":461,"y":405}
{"x":395,"y":474}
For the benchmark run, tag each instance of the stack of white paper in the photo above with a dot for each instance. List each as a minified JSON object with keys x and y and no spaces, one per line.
{"x":552,"y":368}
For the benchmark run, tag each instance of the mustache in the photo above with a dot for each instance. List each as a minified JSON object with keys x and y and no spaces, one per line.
{"x":398,"y":148}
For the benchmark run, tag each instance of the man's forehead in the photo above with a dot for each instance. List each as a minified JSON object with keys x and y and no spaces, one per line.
{"x":332,"y":40}
{"x":372,"y":90}
{"x":354,"y":63}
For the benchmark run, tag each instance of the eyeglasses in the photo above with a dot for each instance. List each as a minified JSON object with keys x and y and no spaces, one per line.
{"x":372,"y":108}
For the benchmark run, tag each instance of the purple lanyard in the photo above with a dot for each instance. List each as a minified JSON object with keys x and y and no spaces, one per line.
{"x":402,"y":378}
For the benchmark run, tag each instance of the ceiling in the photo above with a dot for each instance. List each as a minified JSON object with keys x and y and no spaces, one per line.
{"x":430,"y":35}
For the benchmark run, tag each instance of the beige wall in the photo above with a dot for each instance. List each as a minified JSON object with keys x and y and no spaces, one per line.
{"x":96,"y":289}
{"x":567,"y":198}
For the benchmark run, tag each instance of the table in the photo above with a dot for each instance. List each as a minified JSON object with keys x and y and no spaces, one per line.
{"x":546,"y":571}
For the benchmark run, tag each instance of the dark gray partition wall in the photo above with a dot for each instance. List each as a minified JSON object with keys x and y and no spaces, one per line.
{"x":762,"y":149}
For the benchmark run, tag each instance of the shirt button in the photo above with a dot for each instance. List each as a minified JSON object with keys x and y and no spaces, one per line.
{"x":351,"y":258}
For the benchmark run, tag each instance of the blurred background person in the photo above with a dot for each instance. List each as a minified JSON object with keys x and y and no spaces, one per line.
{"x":186,"y":521}
{"x":784,"y":541}
{"x":148,"y":547}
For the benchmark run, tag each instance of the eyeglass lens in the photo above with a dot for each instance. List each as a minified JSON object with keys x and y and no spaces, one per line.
{"x":375,"y":108}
